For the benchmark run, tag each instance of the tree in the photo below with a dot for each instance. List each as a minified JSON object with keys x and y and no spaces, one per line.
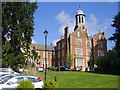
{"x":109,"y":63}
{"x":69,"y":60}
{"x":116,"y":36}
{"x":34,"y":56}
{"x":17,"y":30}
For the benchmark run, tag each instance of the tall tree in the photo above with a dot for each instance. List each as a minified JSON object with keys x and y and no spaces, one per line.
{"x":69,"y":60}
{"x":116,"y":36}
{"x":34,"y":56}
{"x":17,"y":30}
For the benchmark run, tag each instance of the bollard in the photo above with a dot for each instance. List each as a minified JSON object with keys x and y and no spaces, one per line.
{"x":55,"y":79}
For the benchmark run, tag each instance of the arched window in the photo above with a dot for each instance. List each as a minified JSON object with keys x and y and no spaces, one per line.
{"x":82,"y":19}
{"x":79,"y":20}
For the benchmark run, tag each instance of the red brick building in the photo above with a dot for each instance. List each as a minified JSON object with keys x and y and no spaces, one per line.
{"x":80,"y":45}
{"x":50,"y":54}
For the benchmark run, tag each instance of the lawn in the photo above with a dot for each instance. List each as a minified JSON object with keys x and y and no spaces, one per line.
{"x":74,"y":79}
{"x":71,"y":79}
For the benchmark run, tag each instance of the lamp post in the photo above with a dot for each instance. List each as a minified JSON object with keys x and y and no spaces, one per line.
{"x":45,"y":34}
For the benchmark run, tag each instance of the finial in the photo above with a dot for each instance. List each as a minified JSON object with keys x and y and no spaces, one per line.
{"x":99,"y":30}
{"x":79,"y":6}
{"x":67,"y":25}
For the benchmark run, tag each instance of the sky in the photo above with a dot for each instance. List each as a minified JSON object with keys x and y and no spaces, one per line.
{"x":55,"y":16}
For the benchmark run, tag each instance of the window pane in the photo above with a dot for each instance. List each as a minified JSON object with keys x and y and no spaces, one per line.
{"x":100,"y":44}
{"x":33,"y":79}
{"x":79,"y":51}
{"x":88,"y":44}
{"x":78,"y":33}
{"x":89,"y":53}
{"x":79,"y":62}
{"x":79,"y":42}
{"x":44,"y":54}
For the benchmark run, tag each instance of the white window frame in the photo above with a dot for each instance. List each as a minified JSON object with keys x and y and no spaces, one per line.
{"x":78,"y":51}
{"x":78,"y":34}
{"x":44,"y":54}
{"x":79,"y":62}
{"x":78,"y":42}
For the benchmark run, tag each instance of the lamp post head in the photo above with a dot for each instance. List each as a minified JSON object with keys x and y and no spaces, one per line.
{"x":45,"y":33}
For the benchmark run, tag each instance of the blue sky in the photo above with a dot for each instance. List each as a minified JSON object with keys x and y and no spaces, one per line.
{"x":54,"y":16}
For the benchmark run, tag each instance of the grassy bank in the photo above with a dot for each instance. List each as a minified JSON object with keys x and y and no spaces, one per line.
{"x":82,"y":79}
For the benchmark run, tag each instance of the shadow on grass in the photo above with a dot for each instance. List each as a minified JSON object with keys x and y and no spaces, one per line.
{"x":97,"y":72}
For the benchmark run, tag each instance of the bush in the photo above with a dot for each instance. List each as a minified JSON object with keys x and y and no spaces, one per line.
{"x":25,"y":85}
{"x":50,"y":84}
{"x":115,"y":67}
{"x":52,"y":68}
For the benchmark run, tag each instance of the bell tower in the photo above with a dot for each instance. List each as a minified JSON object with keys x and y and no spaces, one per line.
{"x":80,"y":19}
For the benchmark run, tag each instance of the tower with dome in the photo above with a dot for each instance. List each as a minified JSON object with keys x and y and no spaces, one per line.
{"x":84,"y":49}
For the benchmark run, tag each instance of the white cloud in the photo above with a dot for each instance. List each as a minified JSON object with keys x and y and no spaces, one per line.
{"x":65,"y":20}
{"x":94,"y":25}
{"x":33,"y":41}
{"x":54,"y":42}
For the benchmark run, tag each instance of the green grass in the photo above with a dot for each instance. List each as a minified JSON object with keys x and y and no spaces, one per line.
{"x":82,"y":79}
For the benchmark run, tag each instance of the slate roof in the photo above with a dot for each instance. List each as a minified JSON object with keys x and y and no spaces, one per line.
{"x":42,"y":47}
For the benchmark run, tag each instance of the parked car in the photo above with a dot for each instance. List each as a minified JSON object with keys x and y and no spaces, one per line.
{"x":3,"y":75}
{"x":39,"y":69}
{"x":7,"y":71}
{"x":21,"y":70}
{"x":12,"y":83}
{"x":6,"y":77}
{"x":67,"y":69}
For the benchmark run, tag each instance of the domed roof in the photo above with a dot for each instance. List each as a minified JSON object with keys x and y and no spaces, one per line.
{"x":80,"y":12}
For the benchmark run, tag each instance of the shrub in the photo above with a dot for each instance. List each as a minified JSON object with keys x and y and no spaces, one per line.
{"x":52,"y":68}
{"x":50,"y":84}
{"x":25,"y":85}
{"x":115,"y":67}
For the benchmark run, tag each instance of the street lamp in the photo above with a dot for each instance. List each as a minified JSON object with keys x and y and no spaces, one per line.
{"x":45,"y":34}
